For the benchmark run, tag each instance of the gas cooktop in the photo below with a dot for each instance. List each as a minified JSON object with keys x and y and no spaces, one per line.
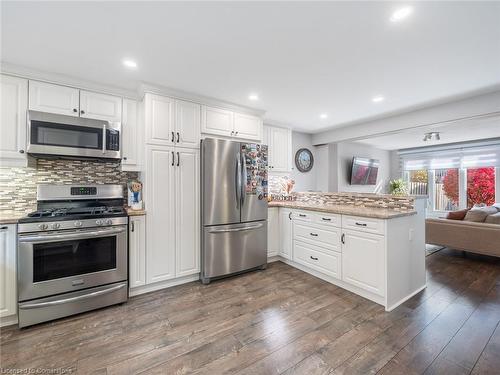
{"x":70,"y":213}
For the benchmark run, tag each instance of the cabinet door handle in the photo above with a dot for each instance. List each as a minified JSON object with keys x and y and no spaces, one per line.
{"x":313,"y":258}
{"x":75,"y":110}
{"x":124,"y":158}
{"x":178,"y":158}
{"x":314,"y":234}
{"x":343,"y":238}
{"x":173,"y":137}
{"x":232,"y":132}
{"x":361,"y":224}
{"x":236,"y":133}
{"x":290,"y":216}
{"x":132,"y":226}
{"x":21,"y":151}
{"x":178,"y":137}
{"x":82,"y":112}
{"x":326,"y":219}
{"x":173,"y":159}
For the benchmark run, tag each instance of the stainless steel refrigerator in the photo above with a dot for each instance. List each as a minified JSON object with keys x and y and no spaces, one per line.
{"x":234,"y":207}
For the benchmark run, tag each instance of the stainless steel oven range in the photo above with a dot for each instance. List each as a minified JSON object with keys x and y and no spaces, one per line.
{"x":72,"y":252}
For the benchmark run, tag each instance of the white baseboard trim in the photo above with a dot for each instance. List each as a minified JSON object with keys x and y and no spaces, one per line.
{"x":274,"y":258}
{"x":406,"y":298}
{"x":162,"y":285}
{"x":8,"y":320}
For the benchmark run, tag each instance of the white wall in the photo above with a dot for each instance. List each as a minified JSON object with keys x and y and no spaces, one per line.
{"x":303,"y":181}
{"x":346,"y":151}
{"x":335,"y":167}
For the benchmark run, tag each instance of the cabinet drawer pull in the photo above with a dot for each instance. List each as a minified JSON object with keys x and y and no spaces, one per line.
{"x":314,"y":234}
{"x":326,"y":219}
{"x":361,"y":224}
{"x":4,"y":228}
{"x":302,"y":215}
{"x":313,"y":258}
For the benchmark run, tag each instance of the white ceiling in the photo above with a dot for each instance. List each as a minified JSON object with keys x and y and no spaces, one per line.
{"x":459,"y":131}
{"x":302,"y":58}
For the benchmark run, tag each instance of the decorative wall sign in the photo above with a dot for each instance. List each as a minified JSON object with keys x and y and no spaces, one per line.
{"x":304,"y":160}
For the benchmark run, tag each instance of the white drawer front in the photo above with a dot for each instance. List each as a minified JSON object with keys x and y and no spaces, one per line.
{"x":328,"y":237}
{"x":312,"y":256}
{"x":368,"y":225}
{"x":302,"y":215}
{"x":327,"y":219}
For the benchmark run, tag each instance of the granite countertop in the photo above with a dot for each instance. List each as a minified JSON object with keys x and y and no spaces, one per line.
{"x":378,"y":213}
{"x":11,"y":217}
{"x":131,"y":212}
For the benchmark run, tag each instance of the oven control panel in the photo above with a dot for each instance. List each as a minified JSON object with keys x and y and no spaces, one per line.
{"x":84,"y":190}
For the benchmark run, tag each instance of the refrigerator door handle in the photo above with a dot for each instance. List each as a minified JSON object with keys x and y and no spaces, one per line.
{"x":244,"y":177}
{"x":249,"y":227}
{"x":238,"y":179}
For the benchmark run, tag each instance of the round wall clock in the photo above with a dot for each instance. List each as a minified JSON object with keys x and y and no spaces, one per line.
{"x":304,"y":160}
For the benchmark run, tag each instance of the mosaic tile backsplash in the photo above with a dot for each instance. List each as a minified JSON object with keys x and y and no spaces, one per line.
{"x":18,"y":185}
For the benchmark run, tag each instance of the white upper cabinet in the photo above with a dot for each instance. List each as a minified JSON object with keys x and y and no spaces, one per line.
{"x":279,"y":141}
{"x":247,"y":127}
{"x":46,"y":97}
{"x":187,"y":211}
{"x":100,"y":106}
{"x":159,"y":120}
{"x":222,"y":122}
{"x":187,"y":124}
{"x":217,"y":121}
{"x":131,"y":137}
{"x":14,"y":103}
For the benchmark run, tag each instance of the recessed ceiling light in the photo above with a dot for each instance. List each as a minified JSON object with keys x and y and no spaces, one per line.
{"x":253,"y":97}
{"x":323,"y":116}
{"x":401,"y":14}
{"x":130,"y":63}
{"x":378,"y":98}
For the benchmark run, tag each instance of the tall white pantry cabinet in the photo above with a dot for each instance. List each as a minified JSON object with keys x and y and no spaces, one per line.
{"x":171,"y":176}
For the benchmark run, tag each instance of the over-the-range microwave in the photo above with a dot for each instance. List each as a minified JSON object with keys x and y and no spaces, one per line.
{"x":59,"y":135}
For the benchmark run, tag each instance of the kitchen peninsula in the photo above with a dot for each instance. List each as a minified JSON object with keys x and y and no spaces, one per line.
{"x":370,"y":244}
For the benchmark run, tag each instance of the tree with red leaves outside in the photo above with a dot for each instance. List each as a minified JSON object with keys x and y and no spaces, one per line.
{"x":480,"y":186}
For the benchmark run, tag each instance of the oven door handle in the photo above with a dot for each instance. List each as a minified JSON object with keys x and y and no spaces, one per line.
{"x":71,"y":299}
{"x":71,"y":236}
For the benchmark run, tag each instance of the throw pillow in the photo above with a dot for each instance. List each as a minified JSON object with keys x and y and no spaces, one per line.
{"x":479,"y":214}
{"x":493,"y":219}
{"x":457,"y":215}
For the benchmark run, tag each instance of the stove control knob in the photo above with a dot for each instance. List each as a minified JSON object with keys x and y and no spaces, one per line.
{"x":56,"y":226}
{"x":78,"y":223}
{"x":98,"y":222}
{"x":109,"y":221}
{"x":43,"y":226}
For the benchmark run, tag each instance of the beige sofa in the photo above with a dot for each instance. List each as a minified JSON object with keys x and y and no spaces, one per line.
{"x":482,"y":238}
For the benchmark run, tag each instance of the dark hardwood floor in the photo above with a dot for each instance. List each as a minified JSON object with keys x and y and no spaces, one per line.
{"x":281,"y":321}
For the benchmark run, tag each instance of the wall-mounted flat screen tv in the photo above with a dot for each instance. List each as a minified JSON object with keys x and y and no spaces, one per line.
{"x":364,"y":171}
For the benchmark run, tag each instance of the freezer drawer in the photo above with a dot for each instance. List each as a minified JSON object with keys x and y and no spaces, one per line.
{"x":233,"y":248}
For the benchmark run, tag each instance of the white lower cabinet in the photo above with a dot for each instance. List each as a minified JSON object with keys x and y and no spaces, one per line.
{"x":172,"y":198}
{"x":273,"y":235}
{"x":8,"y":291}
{"x":137,"y":251}
{"x":187,"y":212}
{"x":286,"y":233}
{"x":363,"y":261}
{"x":327,"y":262}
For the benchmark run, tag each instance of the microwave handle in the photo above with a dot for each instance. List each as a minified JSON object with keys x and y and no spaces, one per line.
{"x":104,"y":138}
